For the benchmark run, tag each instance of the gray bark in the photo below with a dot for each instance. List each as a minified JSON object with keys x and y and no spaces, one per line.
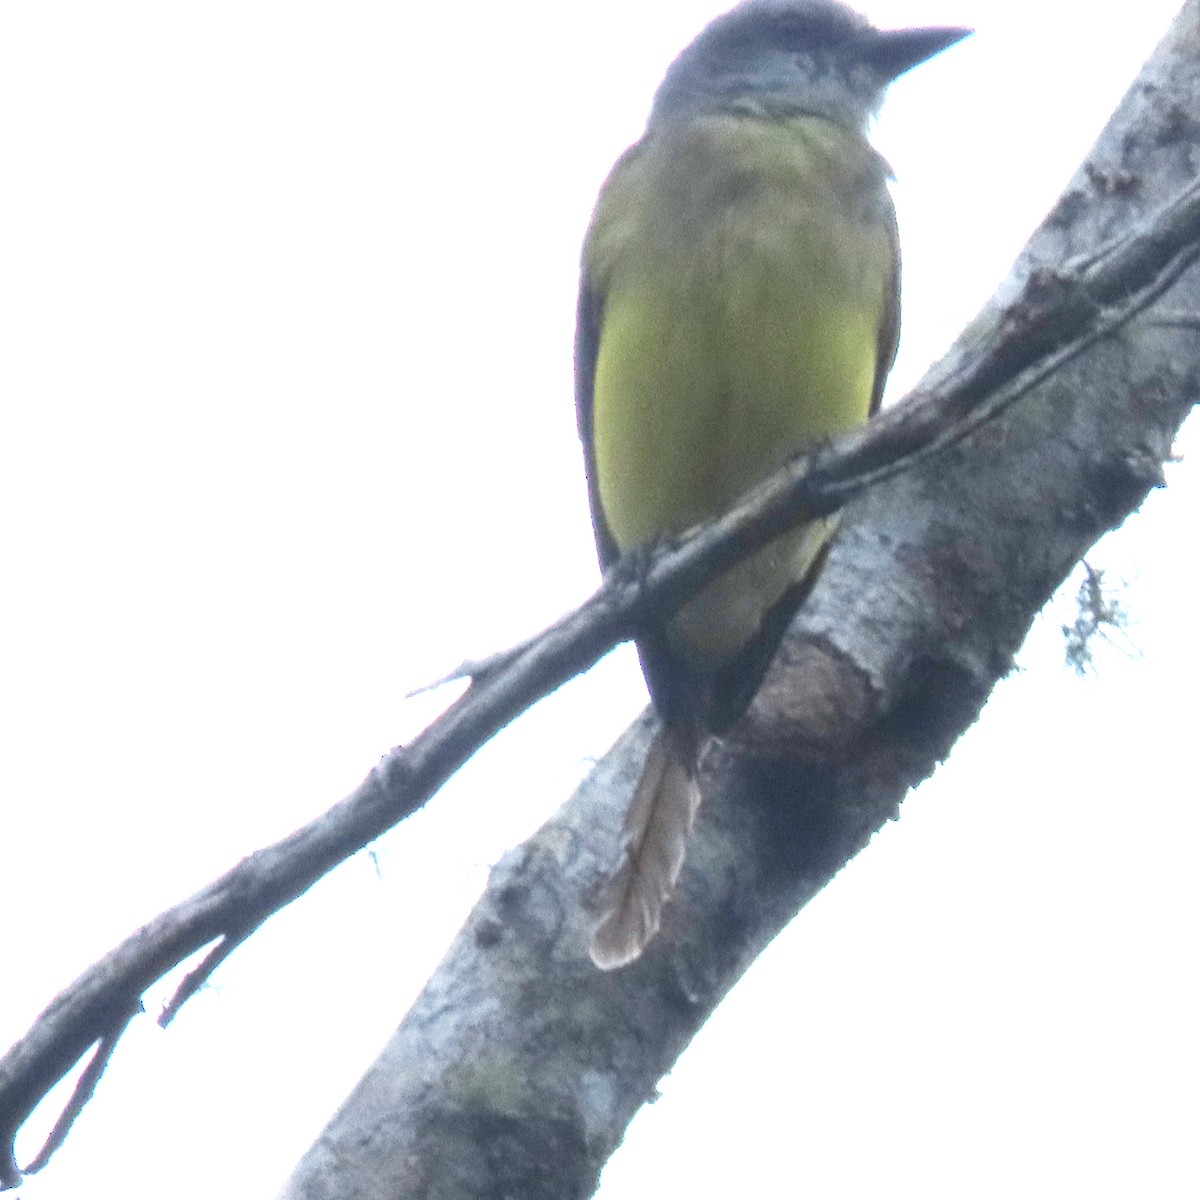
{"x":520,"y":1066}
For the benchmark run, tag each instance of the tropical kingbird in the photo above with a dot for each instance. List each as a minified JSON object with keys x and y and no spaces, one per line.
{"x":739,"y":301}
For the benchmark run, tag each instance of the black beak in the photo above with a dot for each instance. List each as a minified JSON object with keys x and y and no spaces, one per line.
{"x":894,"y":51}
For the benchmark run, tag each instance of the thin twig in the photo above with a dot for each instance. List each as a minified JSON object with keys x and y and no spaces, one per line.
{"x":196,"y":978}
{"x":84,"y":1089}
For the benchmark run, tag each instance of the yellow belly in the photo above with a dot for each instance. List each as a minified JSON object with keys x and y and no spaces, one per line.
{"x":742,"y":304}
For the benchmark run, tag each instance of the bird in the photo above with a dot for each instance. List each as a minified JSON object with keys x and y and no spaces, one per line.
{"x":739,"y":302}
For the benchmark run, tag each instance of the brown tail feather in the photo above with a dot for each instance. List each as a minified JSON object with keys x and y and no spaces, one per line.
{"x":657,"y":824}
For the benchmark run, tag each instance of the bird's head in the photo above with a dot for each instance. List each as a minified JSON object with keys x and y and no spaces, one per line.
{"x":792,"y":57}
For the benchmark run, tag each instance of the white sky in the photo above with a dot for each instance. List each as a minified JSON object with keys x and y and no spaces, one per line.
{"x":286,"y":307}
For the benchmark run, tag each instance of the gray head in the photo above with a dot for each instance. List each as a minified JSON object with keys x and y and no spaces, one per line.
{"x":786,"y":57}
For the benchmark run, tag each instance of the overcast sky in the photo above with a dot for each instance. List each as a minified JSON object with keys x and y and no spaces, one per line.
{"x":286,"y":306}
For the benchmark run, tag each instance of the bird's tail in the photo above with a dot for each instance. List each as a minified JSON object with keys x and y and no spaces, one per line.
{"x":654,"y":836}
